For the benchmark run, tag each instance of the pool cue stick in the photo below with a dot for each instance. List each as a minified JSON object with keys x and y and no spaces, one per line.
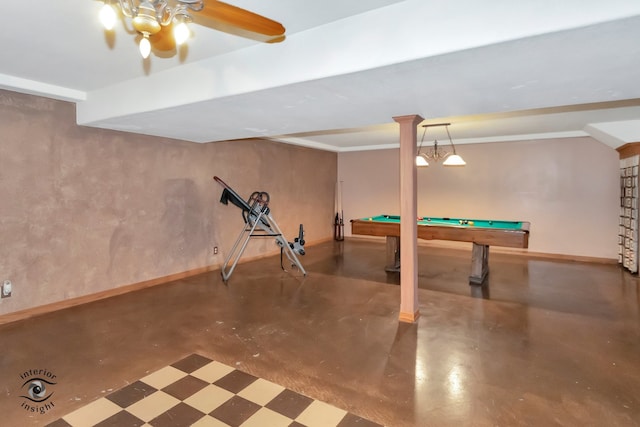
{"x":336,"y":220}
{"x":339,"y":225}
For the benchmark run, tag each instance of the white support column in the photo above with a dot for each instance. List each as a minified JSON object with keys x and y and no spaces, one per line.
{"x":409,"y":309}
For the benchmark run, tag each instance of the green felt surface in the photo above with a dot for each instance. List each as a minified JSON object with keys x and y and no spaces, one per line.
{"x":453,"y":222}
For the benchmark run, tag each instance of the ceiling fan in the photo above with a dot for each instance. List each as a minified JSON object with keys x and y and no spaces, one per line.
{"x":162,"y":24}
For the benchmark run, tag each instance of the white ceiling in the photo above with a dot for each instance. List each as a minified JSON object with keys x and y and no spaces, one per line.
{"x":498,"y":70}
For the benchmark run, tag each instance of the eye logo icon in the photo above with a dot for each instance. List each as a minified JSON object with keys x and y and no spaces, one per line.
{"x":37,"y":390}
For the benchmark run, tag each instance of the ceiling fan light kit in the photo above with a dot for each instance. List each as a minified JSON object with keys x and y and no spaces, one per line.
{"x":149,"y":17}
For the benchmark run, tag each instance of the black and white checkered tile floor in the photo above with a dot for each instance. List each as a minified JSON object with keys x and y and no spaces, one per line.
{"x":198,"y":391}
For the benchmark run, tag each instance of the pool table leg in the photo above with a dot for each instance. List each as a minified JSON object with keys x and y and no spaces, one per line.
{"x":393,"y":254}
{"x":479,"y":263}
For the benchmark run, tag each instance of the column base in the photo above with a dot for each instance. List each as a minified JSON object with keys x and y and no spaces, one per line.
{"x":409,"y":317}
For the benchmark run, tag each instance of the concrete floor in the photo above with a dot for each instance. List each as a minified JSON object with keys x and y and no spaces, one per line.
{"x":542,"y":343}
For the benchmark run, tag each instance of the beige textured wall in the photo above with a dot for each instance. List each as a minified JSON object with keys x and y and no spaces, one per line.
{"x":567,"y":188}
{"x":84,"y":210}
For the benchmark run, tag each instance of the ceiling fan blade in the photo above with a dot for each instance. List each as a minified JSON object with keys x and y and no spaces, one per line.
{"x":215,"y":11}
{"x":163,"y":40}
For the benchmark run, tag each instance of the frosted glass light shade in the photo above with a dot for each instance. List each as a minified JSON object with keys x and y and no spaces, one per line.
{"x":107,"y":17}
{"x":421,"y":160}
{"x":145,"y":47}
{"x":181,"y":33}
{"x":454,"y":160}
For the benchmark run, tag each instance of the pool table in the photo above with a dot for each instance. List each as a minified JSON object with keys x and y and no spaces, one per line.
{"x":482,"y":233}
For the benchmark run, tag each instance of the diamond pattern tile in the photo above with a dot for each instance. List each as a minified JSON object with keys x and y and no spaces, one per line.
{"x":197,"y":391}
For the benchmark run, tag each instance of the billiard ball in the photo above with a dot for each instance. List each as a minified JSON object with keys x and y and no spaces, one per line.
{"x":370,"y":219}
{"x":470,"y":222}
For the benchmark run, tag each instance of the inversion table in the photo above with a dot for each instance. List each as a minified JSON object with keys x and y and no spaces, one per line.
{"x":258,"y":222}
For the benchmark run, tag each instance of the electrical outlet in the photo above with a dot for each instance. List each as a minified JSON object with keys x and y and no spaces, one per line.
{"x":215,"y":250}
{"x":6,"y":289}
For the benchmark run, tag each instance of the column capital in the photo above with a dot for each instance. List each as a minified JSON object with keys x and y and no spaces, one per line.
{"x":412,"y":118}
